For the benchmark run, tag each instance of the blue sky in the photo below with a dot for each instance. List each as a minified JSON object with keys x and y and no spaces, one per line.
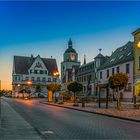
{"x":44,"y":28}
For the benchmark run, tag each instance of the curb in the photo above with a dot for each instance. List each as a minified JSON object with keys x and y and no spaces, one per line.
{"x":108,"y":115}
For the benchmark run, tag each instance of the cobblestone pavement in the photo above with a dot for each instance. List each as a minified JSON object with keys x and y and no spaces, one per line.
{"x":61,"y":123}
{"x":127,"y":109}
{"x":14,"y":127}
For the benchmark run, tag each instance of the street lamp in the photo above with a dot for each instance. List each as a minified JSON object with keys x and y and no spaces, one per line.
{"x":56,"y":75}
{"x":29,"y":82}
{"x":18,"y":85}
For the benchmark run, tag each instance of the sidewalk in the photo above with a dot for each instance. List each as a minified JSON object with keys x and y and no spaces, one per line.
{"x":13,"y":126}
{"x":126,"y":114}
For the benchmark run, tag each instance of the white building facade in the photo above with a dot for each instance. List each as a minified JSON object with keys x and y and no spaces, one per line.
{"x":33,"y":74}
{"x":122,"y":60}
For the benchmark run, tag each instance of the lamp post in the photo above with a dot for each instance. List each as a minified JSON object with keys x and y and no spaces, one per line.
{"x":56,"y":75}
{"x":29,"y":82}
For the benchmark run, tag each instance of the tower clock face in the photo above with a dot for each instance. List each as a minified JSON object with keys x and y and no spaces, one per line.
{"x":72,"y":56}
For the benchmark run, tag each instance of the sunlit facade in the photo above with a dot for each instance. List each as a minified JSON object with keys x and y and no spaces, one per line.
{"x":136,"y":35}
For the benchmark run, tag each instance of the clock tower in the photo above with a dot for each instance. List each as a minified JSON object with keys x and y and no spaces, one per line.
{"x":70,"y":59}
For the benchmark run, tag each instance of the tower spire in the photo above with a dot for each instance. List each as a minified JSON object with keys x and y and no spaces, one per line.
{"x":70,"y":43}
{"x":84,"y":59}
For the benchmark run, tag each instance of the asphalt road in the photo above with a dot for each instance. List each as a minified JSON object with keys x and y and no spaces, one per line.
{"x":59,"y":123}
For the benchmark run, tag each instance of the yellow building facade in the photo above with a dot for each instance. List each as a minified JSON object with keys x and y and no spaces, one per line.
{"x":136,"y":35}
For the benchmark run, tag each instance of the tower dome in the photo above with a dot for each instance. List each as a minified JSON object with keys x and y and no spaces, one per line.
{"x":70,"y":48}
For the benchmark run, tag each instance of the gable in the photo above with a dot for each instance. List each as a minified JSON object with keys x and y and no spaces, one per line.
{"x":38,"y":64}
{"x":22,"y":64}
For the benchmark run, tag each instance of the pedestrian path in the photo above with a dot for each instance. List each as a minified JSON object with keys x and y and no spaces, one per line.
{"x":127,"y":114}
{"x":13,"y":126}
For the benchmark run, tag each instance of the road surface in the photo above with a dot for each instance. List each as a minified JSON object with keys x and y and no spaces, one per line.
{"x":59,"y":123}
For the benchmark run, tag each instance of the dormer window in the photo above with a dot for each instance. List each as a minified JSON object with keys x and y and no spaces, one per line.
{"x":112,"y":59}
{"x":128,"y":53}
{"x":120,"y":56}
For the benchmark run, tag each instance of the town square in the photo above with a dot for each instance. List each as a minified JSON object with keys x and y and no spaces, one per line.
{"x":69,"y":70}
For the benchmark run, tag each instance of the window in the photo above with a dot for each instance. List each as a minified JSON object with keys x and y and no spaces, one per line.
{"x":107,"y":73}
{"x":113,"y":59}
{"x":45,"y":72}
{"x":120,"y":56}
{"x":19,"y":78}
{"x":113,"y":71}
{"x":32,"y":78}
{"x":54,"y":79}
{"x":43,"y":79}
{"x":30,"y":71}
{"x":84,"y":88}
{"x":139,"y":62}
{"x":38,"y":79}
{"x":128,"y":87}
{"x":127,"y":68}
{"x":35,"y":71}
{"x":84,"y":78}
{"x":118,"y":69}
{"x":49,"y":79}
{"x":26,"y":78}
{"x":128,"y":53}
{"x":41,"y":71}
{"x":15,"y":78}
{"x":101,"y":75}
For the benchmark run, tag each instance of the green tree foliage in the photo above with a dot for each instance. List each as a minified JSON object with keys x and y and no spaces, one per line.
{"x":118,"y":80}
{"x":75,"y":87}
{"x":53,"y":87}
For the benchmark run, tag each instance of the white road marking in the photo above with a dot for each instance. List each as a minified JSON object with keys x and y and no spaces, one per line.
{"x":47,"y":132}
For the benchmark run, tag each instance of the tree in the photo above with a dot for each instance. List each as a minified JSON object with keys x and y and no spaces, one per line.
{"x":75,"y":87}
{"x":54,"y":88}
{"x":118,"y":81}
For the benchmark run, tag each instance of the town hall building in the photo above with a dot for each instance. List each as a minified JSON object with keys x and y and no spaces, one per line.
{"x":33,"y":74}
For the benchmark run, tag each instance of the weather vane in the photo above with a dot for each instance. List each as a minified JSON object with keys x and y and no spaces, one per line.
{"x":100,"y":50}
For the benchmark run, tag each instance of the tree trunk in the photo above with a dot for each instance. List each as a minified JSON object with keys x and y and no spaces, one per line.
{"x":99,"y":97}
{"x":74,"y":98}
{"x":107,"y":97}
{"x":118,"y":99}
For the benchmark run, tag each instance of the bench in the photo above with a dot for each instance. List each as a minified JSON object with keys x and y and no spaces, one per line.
{"x":137,"y":106}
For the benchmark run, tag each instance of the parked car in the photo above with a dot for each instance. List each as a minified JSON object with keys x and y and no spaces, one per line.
{"x":26,"y":95}
{"x":33,"y":95}
{"x":8,"y":95}
{"x":20,"y":95}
